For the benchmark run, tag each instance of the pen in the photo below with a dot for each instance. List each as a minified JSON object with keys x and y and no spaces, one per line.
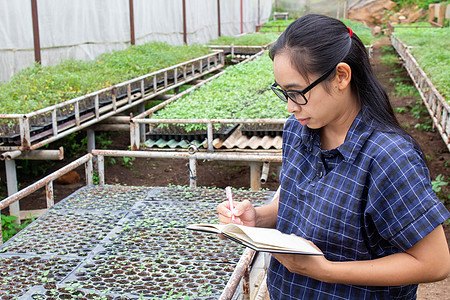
{"x":230,"y":200}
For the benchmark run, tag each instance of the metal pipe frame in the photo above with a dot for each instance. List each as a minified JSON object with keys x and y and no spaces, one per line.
{"x":237,"y":275}
{"x":229,"y":156}
{"x":34,"y":155}
{"x":214,"y":62}
{"x":437,"y":106}
{"x":44,"y":181}
{"x":47,"y":182}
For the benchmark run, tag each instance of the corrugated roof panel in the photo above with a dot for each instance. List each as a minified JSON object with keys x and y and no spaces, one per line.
{"x":235,"y":140}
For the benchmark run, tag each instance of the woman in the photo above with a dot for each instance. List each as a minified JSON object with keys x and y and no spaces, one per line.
{"x":353,"y":182}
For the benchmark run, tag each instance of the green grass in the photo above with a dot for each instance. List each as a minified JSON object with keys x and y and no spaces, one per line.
{"x":362,"y":31}
{"x":251,"y":39}
{"x":431,"y":48}
{"x":39,"y":86}
{"x":280,"y":25}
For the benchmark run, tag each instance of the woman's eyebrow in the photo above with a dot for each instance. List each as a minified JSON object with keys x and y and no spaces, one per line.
{"x":292,"y":86}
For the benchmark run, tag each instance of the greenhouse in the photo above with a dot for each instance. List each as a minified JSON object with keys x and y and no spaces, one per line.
{"x":123,"y":122}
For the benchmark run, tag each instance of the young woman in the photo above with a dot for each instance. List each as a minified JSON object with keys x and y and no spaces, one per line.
{"x":353,"y":182}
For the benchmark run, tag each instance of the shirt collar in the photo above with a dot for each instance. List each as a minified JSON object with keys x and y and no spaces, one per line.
{"x":356,"y":137}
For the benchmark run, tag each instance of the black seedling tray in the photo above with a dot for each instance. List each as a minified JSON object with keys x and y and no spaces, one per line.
{"x":118,"y":242}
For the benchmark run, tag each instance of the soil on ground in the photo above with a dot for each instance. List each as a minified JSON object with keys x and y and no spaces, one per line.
{"x":158,"y":172}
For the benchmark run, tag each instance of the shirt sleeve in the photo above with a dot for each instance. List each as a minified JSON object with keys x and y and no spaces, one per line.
{"x":401,"y":203}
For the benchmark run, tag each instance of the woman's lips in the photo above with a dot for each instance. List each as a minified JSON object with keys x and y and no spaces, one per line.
{"x":303,"y":121}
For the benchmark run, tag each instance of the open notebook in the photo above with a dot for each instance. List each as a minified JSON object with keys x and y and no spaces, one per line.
{"x":260,"y":239}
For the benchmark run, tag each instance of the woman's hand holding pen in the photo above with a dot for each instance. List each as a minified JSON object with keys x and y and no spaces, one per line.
{"x":244,"y":213}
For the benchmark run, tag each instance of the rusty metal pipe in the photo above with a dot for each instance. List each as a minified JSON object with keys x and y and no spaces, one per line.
{"x":206,"y":121}
{"x":185,"y":155}
{"x":238,"y":273}
{"x":43,"y":182}
{"x":35,"y":155}
{"x":265,"y":172}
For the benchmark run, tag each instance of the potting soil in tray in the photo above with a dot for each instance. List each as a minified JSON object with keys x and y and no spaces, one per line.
{"x":262,"y":130}
{"x":179,"y":133}
{"x":116,"y":242}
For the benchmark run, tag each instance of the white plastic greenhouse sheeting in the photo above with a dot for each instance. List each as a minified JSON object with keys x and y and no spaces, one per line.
{"x":83,"y":29}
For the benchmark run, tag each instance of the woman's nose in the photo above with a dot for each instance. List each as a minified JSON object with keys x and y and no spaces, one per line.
{"x":292,"y":107}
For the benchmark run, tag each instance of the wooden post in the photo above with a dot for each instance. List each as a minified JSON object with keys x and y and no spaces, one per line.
{"x":431,"y":12}
{"x":218,"y":14}
{"x":184,"y":22}
{"x":11,"y":182}
{"x":346,"y":9}
{"x":242,"y":17}
{"x":37,"y":43}
{"x":132,"y":36}
{"x":441,"y":13}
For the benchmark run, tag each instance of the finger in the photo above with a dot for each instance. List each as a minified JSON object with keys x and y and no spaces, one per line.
{"x":241,"y":207}
{"x":224,"y":209}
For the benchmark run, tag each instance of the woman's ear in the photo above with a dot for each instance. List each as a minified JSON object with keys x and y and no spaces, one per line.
{"x":343,"y":76}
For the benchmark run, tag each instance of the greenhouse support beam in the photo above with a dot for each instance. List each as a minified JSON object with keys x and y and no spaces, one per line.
{"x":184,"y":22}
{"x":132,"y":37}
{"x":37,"y":43}
{"x":218,"y":16}
{"x":242,"y":17}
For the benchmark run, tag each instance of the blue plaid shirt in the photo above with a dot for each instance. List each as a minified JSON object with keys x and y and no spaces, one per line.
{"x":368,"y":198}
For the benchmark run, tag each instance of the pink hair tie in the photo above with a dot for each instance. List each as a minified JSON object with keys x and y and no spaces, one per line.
{"x":350,"y":31}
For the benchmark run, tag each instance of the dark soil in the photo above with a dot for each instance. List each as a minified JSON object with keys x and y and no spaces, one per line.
{"x":157,"y":172}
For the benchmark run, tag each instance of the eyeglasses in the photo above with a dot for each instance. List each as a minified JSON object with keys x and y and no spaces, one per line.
{"x":298,"y":97}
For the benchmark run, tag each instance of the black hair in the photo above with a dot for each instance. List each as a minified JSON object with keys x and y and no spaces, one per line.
{"x":317,"y":43}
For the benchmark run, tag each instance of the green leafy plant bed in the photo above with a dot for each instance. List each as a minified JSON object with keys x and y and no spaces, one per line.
{"x":431,"y":48}
{"x":92,"y":245}
{"x":276,"y":26}
{"x":39,"y":86}
{"x":362,"y":31}
{"x":243,"y":92}
{"x":250,"y":39}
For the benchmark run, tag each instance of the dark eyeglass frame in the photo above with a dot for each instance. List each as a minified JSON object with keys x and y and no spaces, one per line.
{"x":277,"y":91}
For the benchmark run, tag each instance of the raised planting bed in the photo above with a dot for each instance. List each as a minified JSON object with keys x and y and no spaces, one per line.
{"x":436,"y":104}
{"x":116,"y":242}
{"x":430,"y":46}
{"x":274,"y":26}
{"x":239,"y":48}
{"x":34,"y":129}
{"x":242,"y":92}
